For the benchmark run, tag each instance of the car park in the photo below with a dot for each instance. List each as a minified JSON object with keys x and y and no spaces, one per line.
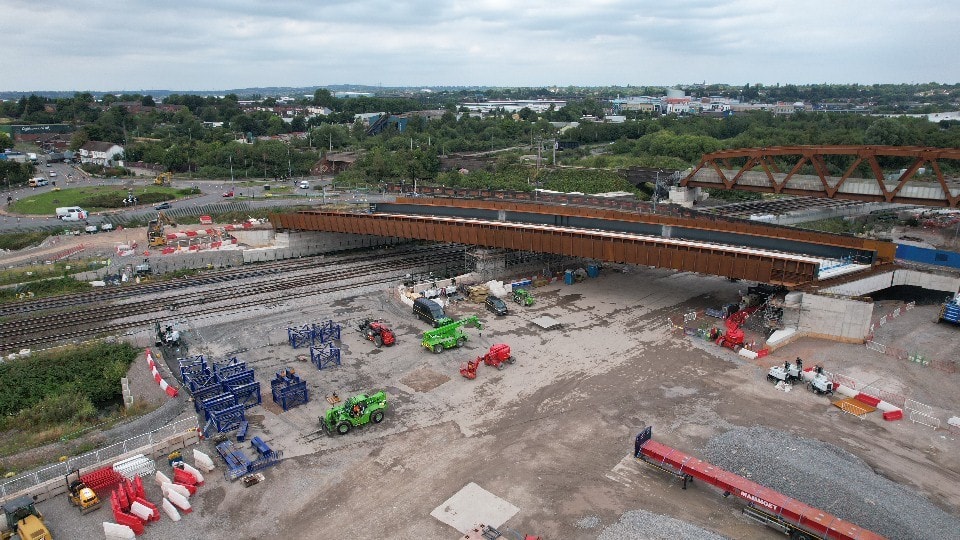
{"x":162,"y":206}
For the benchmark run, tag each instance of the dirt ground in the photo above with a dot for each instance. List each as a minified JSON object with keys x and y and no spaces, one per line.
{"x":551,"y":434}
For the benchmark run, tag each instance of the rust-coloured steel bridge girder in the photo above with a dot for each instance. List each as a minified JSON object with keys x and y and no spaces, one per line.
{"x":717,"y":170}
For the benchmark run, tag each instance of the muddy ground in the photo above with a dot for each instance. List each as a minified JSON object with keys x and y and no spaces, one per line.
{"x":551,"y":434}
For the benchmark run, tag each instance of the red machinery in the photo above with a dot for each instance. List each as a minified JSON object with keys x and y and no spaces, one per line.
{"x":765,"y":505}
{"x":377,"y":332}
{"x":733,"y":339}
{"x":498,"y":354}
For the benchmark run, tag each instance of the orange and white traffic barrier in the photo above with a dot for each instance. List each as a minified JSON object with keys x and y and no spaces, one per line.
{"x":171,"y":391}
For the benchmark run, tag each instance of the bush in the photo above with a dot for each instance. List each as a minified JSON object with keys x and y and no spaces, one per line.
{"x":22,"y":240}
{"x":68,"y":407}
{"x":35,"y":384}
{"x":47,"y":287}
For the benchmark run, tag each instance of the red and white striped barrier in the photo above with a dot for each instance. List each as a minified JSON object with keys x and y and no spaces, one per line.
{"x":171,"y":391}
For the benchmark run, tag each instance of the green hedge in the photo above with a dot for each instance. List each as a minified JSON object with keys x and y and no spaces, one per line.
{"x":64,"y":385}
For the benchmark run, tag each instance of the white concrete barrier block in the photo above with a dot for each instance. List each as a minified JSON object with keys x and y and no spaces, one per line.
{"x":162,"y":478}
{"x":170,"y":509}
{"x":141,"y":511}
{"x":114,"y":530}
{"x":179,"y":501}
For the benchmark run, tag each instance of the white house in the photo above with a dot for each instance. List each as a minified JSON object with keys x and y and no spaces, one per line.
{"x":100,"y":153}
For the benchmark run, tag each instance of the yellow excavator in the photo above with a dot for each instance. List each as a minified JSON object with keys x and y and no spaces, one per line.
{"x":163,"y":179}
{"x":155,"y":236}
{"x":24,"y":520}
{"x":81,"y":496}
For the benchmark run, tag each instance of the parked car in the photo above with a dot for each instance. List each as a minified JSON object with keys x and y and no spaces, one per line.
{"x":90,"y":229}
{"x":53,"y":174}
{"x":106,"y":226}
{"x":162,"y":206}
{"x":495,"y":305}
{"x":228,"y":193}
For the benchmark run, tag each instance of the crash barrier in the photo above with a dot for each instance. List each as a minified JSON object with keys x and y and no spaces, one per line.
{"x":313,"y":334}
{"x":171,"y":391}
{"x":48,"y":482}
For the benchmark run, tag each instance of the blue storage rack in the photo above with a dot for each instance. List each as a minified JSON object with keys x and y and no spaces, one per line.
{"x":205,"y":393}
{"x":224,"y":420}
{"x":238,"y":464}
{"x":327,"y":331}
{"x":300,"y":337}
{"x":289,"y":391}
{"x":325,"y":357}
{"x":247,"y":395}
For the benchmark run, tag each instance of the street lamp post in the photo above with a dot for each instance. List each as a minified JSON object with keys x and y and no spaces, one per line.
{"x":656,"y":190}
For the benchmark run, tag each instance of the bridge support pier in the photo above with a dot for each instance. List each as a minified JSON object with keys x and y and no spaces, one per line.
{"x":685,"y":196}
{"x":489,"y":263}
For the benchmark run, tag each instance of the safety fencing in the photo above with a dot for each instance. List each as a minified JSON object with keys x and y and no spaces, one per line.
{"x":888,"y":317}
{"x":97,"y":457}
{"x":914,"y":357}
{"x":59,"y":256}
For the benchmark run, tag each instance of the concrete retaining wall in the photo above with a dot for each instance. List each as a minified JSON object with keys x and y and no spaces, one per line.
{"x":926,"y":280}
{"x":156,"y":451}
{"x":302,"y":244}
{"x":838,"y":319}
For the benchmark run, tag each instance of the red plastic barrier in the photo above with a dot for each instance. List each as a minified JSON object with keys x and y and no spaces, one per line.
{"x":190,"y":487}
{"x":123,"y":502}
{"x":102,"y":479}
{"x":868,"y":399}
{"x":129,"y":520}
{"x":153,"y":508}
{"x":131,"y":491}
{"x":181,"y":476}
{"x":763,"y":352}
{"x":893,"y":415}
{"x":138,"y":488}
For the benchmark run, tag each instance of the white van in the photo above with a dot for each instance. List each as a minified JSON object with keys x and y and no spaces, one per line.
{"x":71,"y":213}
{"x":304,"y":184}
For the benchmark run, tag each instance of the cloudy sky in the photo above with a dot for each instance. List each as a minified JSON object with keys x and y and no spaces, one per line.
{"x":222,"y":44}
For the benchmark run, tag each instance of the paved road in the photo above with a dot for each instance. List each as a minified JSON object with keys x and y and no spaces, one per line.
{"x":212,"y":193}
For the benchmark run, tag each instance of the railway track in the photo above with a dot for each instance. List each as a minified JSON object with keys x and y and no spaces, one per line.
{"x":105,"y":320}
{"x":259,"y":270}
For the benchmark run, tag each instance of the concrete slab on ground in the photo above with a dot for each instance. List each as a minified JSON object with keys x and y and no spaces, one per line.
{"x":472,"y":505}
{"x":546,"y":322}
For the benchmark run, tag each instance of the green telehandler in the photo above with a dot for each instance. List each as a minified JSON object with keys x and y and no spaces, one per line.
{"x":449,"y":335}
{"x":523,"y":297}
{"x":355,"y":412}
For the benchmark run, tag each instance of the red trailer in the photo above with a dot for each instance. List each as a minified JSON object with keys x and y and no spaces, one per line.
{"x":769,"y":507}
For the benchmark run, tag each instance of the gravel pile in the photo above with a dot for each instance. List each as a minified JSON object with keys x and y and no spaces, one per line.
{"x":832,"y":479}
{"x":643,"y":525}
